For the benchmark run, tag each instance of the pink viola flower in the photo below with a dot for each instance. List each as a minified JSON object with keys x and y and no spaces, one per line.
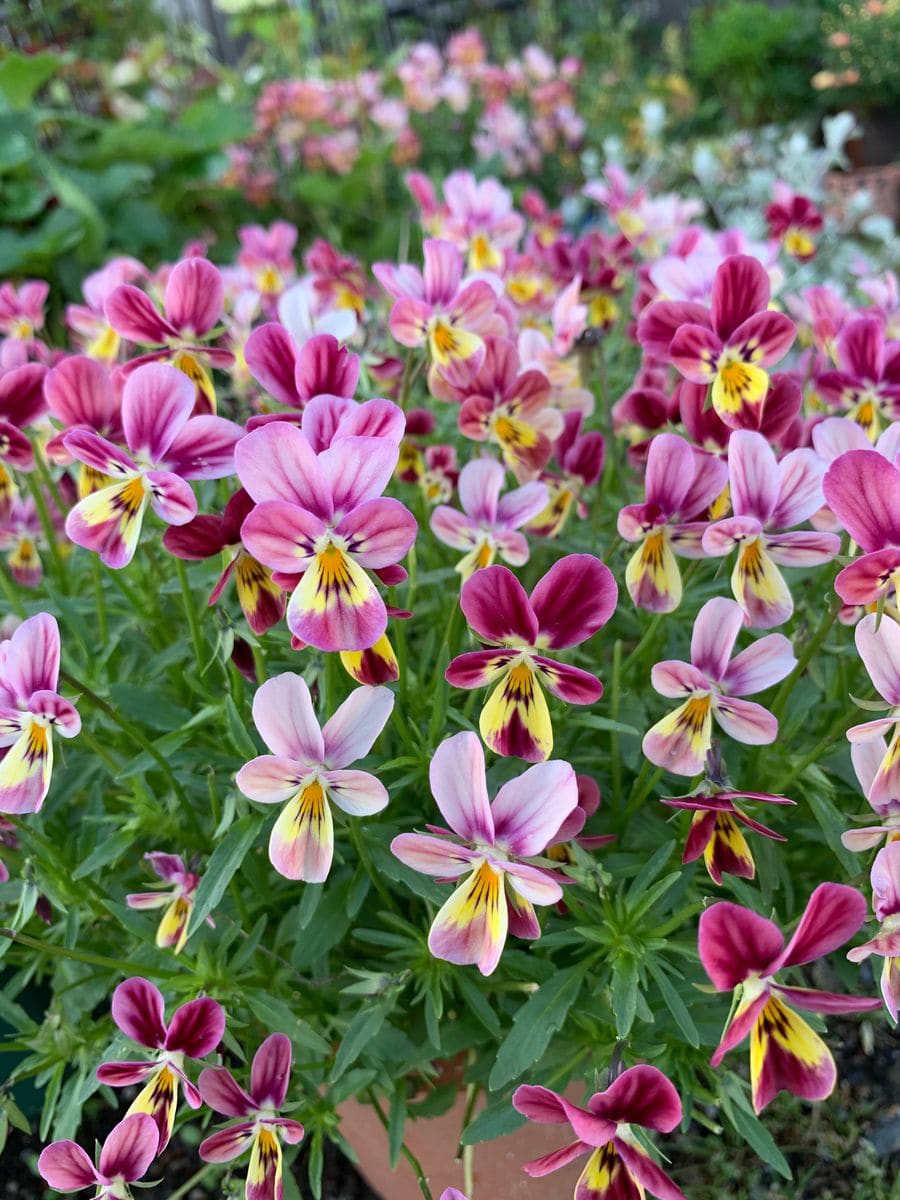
{"x":575,"y":598}
{"x":126,"y":1155}
{"x":886,"y":943}
{"x":794,"y":220}
{"x":323,"y":517}
{"x":489,"y":522}
{"x":30,"y":709}
{"x":743,"y":952}
{"x":22,"y":310}
{"x":715,"y":831}
{"x":767,"y":498}
{"x":729,"y":345}
{"x":22,"y":404}
{"x":262,"y":600}
{"x":866,"y":384}
{"x":91,"y":330}
{"x":193,"y":304}
{"x":196,"y":1028}
{"x":619,"y":1167}
{"x":167,"y":448}
{"x":862,"y":489}
{"x":680,"y":486}
{"x":710,"y":686}
{"x":432,"y":307}
{"x":488,"y":842}
{"x":327,"y":419}
{"x":579,"y":459}
{"x":177,"y":899}
{"x":259,"y":1128}
{"x":308,"y":770}
{"x":81,"y":394}
{"x":294,"y":374}
{"x":267,"y":255}
{"x":22,"y":537}
{"x":878,"y":645}
{"x":867,"y":757}
{"x":480,"y":218}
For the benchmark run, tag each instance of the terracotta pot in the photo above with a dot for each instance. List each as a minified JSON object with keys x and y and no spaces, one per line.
{"x":497,"y":1165}
{"x":882,"y":184}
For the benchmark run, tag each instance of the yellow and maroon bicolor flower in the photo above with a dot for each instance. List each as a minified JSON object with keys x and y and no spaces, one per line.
{"x":433,"y":308}
{"x":259,"y":1129}
{"x":743,"y":952}
{"x":575,"y":598}
{"x":709,"y":687}
{"x":194,"y":1031}
{"x":715,"y":831}
{"x":731,"y":344}
{"x":177,"y":899}
{"x":619,"y":1166}
{"x":680,"y":484}
{"x":30,"y":709}
{"x":193,"y":303}
{"x":487,"y":846}
{"x":886,"y":943}
{"x":794,"y":220}
{"x":306,"y":771}
{"x":767,"y":498}
{"x":580,"y":457}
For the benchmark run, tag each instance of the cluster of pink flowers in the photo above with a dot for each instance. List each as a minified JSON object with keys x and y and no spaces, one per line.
{"x":526,"y":110}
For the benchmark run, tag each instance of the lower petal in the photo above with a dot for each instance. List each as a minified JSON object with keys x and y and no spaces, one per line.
{"x":109,"y":521}
{"x":727,"y":852}
{"x":739,"y":388}
{"x":172,"y":931}
{"x":515,"y":721}
{"x":472,"y":925}
{"x":25,"y":770}
{"x":159,"y":1099}
{"x":681,"y":740}
{"x":264,"y":1173}
{"x":302,"y":841}
{"x":373,"y":666}
{"x":653,"y":577}
{"x":336,"y":606}
{"x":606,"y":1177}
{"x":787,"y":1055}
{"x":759,"y":587}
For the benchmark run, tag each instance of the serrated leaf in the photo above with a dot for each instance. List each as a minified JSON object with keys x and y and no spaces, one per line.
{"x":223,"y":862}
{"x":535,"y":1023}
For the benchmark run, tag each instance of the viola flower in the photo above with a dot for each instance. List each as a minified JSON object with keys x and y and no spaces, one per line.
{"x":580,"y":457}
{"x":22,"y":403}
{"x":489,"y":522}
{"x":267,"y":255}
{"x":618,"y":1166}
{"x":91,"y":330}
{"x":715,"y":830}
{"x":127,"y":1153}
{"x":862,"y":489}
{"x":493,"y":840}
{"x":168,"y":447}
{"x":767,"y":498}
{"x":261,"y":600}
{"x":743,"y":952}
{"x":193,"y":303}
{"x":178,"y":900}
{"x":729,"y":345}
{"x":481,"y":219}
{"x":795,"y":220}
{"x":575,"y":598}
{"x":308,"y":770}
{"x":680,"y":485}
{"x":878,"y":645}
{"x":30,"y":709}
{"x":866,"y":384}
{"x":194,"y":1031}
{"x":709,"y":686}
{"x":22,"y":310}
{"x":440,"y":474}
{"x":886,"y":943}
{"x":294,"y":373}
{"x":21,"y":535}
{"x":324,"y":517}
{"x":433,"y":307}
{"x":867,"y":756}
{"x":80,"y":394}
{"x":260,"y":1127}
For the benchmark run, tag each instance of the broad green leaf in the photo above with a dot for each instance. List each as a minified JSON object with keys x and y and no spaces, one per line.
{"x":223,"y":862}
{"x":535,"y":1023}
{"x":21,"y":75}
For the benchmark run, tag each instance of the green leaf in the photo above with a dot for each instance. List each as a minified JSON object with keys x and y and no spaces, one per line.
{"x":108,"y":850}
{"x":752,"y":1130}
{"x":535,"y":1023}
{"x":397,"y":1122}
{"x":493,"y":1122}
{"x":477,"y":1003}
{"x":363,"y":1029}
{"x":241,"y":739}
{"x":280,"y":1017}
{"x":649,"y":872}
{"x":624,"y":993}
{"x":832,"y":825}
{"x":674,"y":1003}
{"x":21,"y":75}
{"x":223,"y":862}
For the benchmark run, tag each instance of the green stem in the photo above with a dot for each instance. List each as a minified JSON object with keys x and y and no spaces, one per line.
{"x":640,"y":793}
{"x":420,"y":1175}
{"x":190,"y":611}
{"x":784,"y":692}
{"x":191,"y":1183}
{"x":85,"y":956}
{"x":9,"y":591}
{"x":100,"y":602}
{"x":40,"y":501}
{"x":615,"y":695}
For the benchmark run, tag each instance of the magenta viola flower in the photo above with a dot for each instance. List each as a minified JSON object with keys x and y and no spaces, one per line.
{"x":768,"y":497}
{"x":327,"y":419}
{"x":92,"y":332}
{"x":878,"y":644}
{"x":580,"y":457}
{"x":177,"y":899}
{"x":489,"y":522}
{"x":292,"y":374}
{"x":262,"y":600}
{"x":680,"y":485}
{"x":509,"y":407}
{"x":167,"y":447}
{"x":862,"y":489}
{"x":743,"y":952}
{"x":22,"y":310}
{"x":22,"y":537}
{"x":488,"y":842}
{"x":715,"y":831}
{"x":80,"y":394}
{"x":259,"y":1129}
{"x":127,"y":1153}
{"x":193,"y":303}
{"x":729,"y":345}
{"x":867,"y":382}
{"x":308,"y":770}
{"x":575,"y":598}
{"x":794,"y":220}
{"x":323,"y":517}
{"x":30,"y":709}
{"x":432,"y":307}
{"x":196,"y":1028}
{"x":710,"y":686}
{"x":267,"y":255}
{"x":619,"y":1167}
{"x":886,"y":943}
{"x":22,"y":404}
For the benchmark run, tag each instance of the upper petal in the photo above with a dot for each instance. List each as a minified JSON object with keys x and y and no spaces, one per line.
{"x":715,"y":630}
{"x":833,"y":914}
{"x":479,"y":485}
{"x":575,"y":598}
{"x":754,"y":475}
{"x":357,"y":469}
{"x":529,"y":809}
{"x":740,"y":288}
{"x":351,"y":732}
{"x":270,"y":354}
{"x":734,"y":942}
{"x":284,"y":715}
{"x":459,"y":785}
{"x":196,"y":1028}
{"x":276,"y":462}
{"x":204,"y":448}
{"x":271,"y":1071}
{"x":132,"y":314}
{"x":156,"y":403}
{"x":32,"y":657}
{"x":642,"y":1095}
{"x":222,"y":1094}
{"x":195,"y":293}
{"x":497,"y":607}
{"x":137,"y":1008}
{"x":799,"y":488}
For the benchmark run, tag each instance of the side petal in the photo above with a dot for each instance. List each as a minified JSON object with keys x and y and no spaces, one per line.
{"x":32,"y":657}
{"x":284,"y":715}
{"x":432,"y":855}
{"x":862,"y":489}
{"x":745,"y":721}
{"x":379,"y":532}
{"x":130,"y":1148}
{"x":356,"y":793}
{"x":760,"y":666}
{"x":222,"y":1094}
{"x":270,"y":1072}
